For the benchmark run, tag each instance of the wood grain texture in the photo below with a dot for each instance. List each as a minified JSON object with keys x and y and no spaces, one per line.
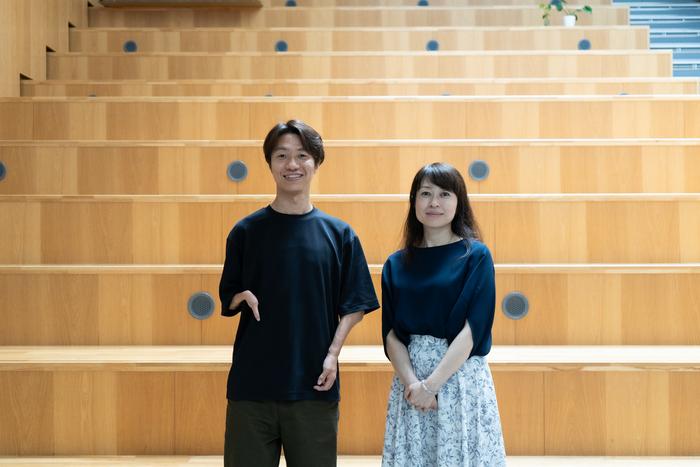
{"x":218,"y":40}
{"x":27,"y":28}
{"x":192,"y":229}
{"x":375,"y":87}
{"x":371,"y":3}
{"x":346,"y":17}
{"x":352,"y":167}
{"x":362,"y":65}
{"x":360,"y":118}
{"x":147,"y":305}
{"x":572,"y":407}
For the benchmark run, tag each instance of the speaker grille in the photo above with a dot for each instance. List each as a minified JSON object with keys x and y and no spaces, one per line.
{"x":515,"y":305}
{"x":237,"y":171}
{"x":200,"y":305}
{"x":479,"y":170}
{"x":281,"y":46}
{"x":130,"y":46}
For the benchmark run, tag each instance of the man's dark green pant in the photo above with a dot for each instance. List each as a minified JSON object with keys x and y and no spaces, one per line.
{"x":256,"y":431}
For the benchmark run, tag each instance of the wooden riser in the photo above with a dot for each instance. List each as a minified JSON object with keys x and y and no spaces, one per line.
{"x":407,"y":87}
{"x":265,"y":40}
{"x":360,"y":118}
{"x":142,"y":305}
{"x":192,"y":229}
{"x":175,"y":407}
{"x":431,"y":3}
{"x":344,"y":461}
{"x":346,"y":17}
{"x":163,"y":167}
{"x":362,"y":65}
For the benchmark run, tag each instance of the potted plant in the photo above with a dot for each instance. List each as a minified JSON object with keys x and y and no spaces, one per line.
{"x":570,"y":13}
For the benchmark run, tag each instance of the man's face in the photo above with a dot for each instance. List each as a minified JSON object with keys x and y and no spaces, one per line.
{"x":291,"y":165}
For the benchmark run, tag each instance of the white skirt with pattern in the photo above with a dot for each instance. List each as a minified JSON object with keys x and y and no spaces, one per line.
{"x":465,"y":430}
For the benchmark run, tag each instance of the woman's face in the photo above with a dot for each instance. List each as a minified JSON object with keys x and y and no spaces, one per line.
{"x":435,"y":206}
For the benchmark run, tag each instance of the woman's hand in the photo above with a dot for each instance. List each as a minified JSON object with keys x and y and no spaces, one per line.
{"x":250,"y":299}
{"x":419,"y":398}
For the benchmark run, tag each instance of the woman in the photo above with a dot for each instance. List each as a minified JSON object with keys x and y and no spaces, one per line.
{"x":438,"y":299}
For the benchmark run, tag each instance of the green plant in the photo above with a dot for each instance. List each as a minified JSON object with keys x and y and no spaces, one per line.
{"x":562,"y":6}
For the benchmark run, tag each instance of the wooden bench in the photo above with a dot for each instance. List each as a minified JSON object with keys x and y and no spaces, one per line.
{"x":556,"y":228}
{"x":180,"y":3}
{"x":346,"y":17}
{"x":351,"y":118}
{"x":360,"y":87}
{"x":147,"y":305}
{"x":345,"y":461}
{"x":362,"y":65}
{"x":165,"y":400}
{"x":216,"y":40}
{"x":361,"y":166}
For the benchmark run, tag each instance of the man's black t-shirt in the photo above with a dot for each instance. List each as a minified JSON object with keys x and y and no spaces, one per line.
{"x":306,"y":270}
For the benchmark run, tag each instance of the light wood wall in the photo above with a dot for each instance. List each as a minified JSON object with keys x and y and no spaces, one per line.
{"x":184,"y":230}
{"x":347,"y":17}
{"x":371,"y":167}
{"x":360,"y":118}
{"x":96,"y":40}
{"x":395,"y":87}
{"x":98,"y":305}
{"x":364,"y":65}
{"x":27,"y":28}
{"x":575,"y":409}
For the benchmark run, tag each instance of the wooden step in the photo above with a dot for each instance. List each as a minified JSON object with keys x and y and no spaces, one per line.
{"x":345,"y":461}
{"x":350,"y":118}
{"x":111,"y":229}
{"x":346,"y":39}
{"x":585,"y":304}
{"x":170,"y":400}
{"x":181,"y":3}
{"x":362,"y":65}
{"x":346,"y":17}
{"x":431,"y":3}
{"x":357,"y":87}
{"x":363,"y":166}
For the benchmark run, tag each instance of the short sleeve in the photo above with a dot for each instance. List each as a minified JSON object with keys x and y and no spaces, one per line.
{"x":356,"y":288}
{"x":232,"y":274}
{"x":476,"y":304}
{"x":387,"y":307}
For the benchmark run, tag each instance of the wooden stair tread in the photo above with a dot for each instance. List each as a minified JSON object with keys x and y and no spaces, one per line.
{"x":352,"y":357}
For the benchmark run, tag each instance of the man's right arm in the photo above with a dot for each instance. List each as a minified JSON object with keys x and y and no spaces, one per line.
{"x":231,"y":283}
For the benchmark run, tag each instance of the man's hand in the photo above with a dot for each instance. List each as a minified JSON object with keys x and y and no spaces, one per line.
{"x":330,"y":372}
{"x":250,"y":299}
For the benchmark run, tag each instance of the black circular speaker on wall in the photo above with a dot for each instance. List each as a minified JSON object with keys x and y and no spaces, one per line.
{"x":201,"y":305}
{"x":515,"y":305}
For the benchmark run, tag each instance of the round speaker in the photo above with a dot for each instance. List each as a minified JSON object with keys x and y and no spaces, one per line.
{"x":432,"y":46}
{"x":281,"y":46}
{"x":200,"y":305}
{"x":479,"y":170}
{"x":584,"y":44}
{"x":237,"y":171}
{"x":515,"y":305}
{"x":3,"y":170}
{"x":130,"y":46}
{"x":291,"y":3}
{"x":423,"y":3}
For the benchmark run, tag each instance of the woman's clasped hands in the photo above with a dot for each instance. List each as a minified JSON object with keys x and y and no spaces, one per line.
{"x":420,"y":396}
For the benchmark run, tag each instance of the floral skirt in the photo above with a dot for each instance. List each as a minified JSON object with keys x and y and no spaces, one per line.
{"x":465,"y":430}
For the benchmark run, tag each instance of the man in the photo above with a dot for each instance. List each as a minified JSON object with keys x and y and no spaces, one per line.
{"x":300,"y":280}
